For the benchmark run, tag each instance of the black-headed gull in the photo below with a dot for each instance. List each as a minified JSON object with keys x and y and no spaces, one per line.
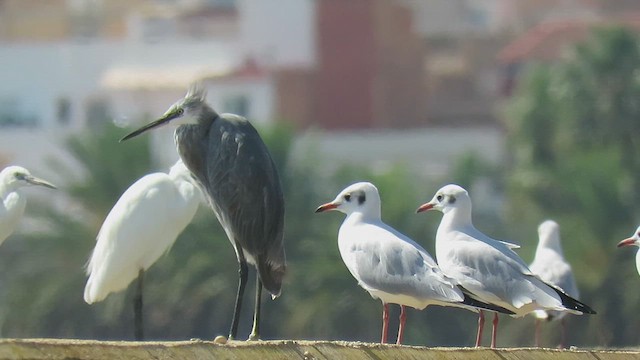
{"x":634,"y":240}
{"x":489,"y":268}
{"x":386,"y":263}
{"x":550,"y":265}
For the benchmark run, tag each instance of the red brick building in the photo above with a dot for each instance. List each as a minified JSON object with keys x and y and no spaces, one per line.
{"x":369,"y":73}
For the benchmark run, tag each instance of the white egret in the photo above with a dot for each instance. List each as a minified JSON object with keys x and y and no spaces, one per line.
{"x":12,"y":179}
{"x":143,"y":224}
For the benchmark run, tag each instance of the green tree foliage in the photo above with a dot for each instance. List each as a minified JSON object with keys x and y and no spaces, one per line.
{"x":573,"y":129}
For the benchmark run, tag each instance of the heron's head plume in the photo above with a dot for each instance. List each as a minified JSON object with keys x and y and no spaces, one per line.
{"x":192,"y":109}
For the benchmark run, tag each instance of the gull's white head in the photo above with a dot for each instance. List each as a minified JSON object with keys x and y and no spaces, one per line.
{"x":448,"y":198}
{"x":633,"y":240}
{"x":14,"y":177}
{"x":549,"y":235}
{"x":362,"y":197}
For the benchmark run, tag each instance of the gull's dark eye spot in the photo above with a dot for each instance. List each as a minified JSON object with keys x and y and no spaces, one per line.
{"x":452,"y":199}
{"x":361,"y":199}
{"x":20,"y":176}
{"x":180,"y":111}
{"x":347,"y":197}
{"x":439,"y":198}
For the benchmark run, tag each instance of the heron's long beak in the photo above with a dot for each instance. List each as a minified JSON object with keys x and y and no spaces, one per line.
{"x":425,"y":207}
{"x":162,"y":121}
{"x":37,"y":181}
{"x":627,"y":242}
{"x":326,"y":207}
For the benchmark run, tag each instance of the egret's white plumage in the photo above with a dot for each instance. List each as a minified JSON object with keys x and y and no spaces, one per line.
{"x":634,"y":240}
{"x":387,"y":264}
{"x":141,"y":226}
{"x":12,"y":179}
{"x":550,"y":265}
{"x":489,"y":268}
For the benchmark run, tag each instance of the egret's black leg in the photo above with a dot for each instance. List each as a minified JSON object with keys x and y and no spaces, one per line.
{"x":255,"y":332}
{"x":242,"y":272}
{"x":137,"y":308}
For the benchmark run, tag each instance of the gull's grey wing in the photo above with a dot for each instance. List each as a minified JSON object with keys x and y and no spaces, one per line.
{"x":384,"y":260}
{"x":492,"y":273}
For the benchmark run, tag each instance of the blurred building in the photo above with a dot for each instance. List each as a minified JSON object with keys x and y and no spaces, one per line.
{"x":68,"y":65}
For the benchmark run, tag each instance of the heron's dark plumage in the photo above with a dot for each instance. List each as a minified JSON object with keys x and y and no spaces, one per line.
{"x":232,"y":164}
{"x":227,"y":157}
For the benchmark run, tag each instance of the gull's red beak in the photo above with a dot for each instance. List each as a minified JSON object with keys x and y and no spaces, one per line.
{"x":425,"y":207}
{"x":326,"y":207}
{"x":627,"y":242}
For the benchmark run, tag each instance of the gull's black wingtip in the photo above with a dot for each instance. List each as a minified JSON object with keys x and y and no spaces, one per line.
{"x":471,"y":301}
{"x":573,"y":304}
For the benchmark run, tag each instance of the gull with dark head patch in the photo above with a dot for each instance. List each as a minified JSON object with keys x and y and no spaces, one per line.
{"x":389,"y":265}
{"x":489,"y":268}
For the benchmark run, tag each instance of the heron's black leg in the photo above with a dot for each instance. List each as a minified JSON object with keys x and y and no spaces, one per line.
{"x":242,"y":272}
{"x":255,"y":332}
{"x":137,"y":308}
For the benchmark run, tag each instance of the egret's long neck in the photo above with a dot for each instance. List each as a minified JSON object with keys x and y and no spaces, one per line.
{"x":6,"y":189}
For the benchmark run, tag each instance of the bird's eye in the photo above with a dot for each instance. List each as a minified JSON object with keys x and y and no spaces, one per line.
{"x":20,"y":176}
{"x":439,"y":198}
{"x":180,"y":111}
{"x":347,"y":197}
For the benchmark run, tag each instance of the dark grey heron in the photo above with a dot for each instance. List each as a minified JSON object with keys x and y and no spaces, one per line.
{"x":233,"y":166}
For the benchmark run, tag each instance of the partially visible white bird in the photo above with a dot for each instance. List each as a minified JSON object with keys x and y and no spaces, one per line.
{"x":12,"y":179}
{"x":141,"y":226}
{"x":386,"y":263}
{"x":634,"y":240}
{"x":550,"y":265}
{"x":489,"y":268}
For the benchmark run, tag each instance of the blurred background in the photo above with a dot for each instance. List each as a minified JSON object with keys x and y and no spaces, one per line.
{"x":532,"y":105}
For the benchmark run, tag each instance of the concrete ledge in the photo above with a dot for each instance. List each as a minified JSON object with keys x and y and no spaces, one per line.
{"x":53,"y":349}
